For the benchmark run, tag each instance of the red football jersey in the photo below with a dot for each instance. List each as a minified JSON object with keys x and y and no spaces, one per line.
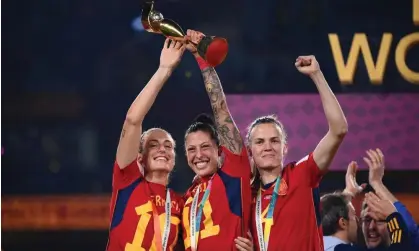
{"x":132,"y":222}
{"x":296,"y":216}
{"x":226,"y":212}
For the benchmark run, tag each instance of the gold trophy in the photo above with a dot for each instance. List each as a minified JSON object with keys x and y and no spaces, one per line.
{"x":211,"y":49}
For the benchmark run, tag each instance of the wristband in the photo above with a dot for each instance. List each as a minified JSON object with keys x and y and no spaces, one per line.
{"x":202,"y":63}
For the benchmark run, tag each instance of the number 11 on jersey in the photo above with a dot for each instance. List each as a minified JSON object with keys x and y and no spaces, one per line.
{"x":209,"y":228}
{"x":145,"y":213}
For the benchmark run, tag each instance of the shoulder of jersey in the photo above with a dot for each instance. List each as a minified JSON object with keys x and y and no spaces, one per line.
{"x":302,"y":160}
{"x":290,"y":165}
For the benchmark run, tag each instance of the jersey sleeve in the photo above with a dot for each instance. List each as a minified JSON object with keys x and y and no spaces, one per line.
{"x":309,"y":172}
{"x":399,"y":234}
{"x":125,"y":177}
{"x":236,"y":165}
{"x":410,"y":223}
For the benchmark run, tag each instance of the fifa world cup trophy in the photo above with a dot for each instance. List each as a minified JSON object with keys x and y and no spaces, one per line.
{"x":212,"y":49}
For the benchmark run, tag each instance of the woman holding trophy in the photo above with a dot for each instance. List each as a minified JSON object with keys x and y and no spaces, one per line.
{"x":216,"y":213}
{"x":145,"y":214}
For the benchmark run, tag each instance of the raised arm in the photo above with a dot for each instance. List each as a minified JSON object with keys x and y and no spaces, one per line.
{"x":226,"y":128}
{"x":338,"y":127}
{"x":129,"y":142}
{"x":376,"y":163}
{"x":352,"y":189}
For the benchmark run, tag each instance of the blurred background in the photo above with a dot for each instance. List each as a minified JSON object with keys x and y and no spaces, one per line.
{"x":70,"y":70}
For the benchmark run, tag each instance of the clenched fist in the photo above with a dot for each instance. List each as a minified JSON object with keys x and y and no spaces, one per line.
{"x":193,"y":38}
{"x":307,"y":65}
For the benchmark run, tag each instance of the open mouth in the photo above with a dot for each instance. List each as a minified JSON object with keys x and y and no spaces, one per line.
{"x":201,"y":164}
{"x":373,"y":237}
{"x":160,"y":158}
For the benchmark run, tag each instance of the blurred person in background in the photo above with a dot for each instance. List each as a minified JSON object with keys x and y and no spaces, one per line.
{"x":217,"y":205}
{"x":338,"y":215}
{"x":340,"y":223}
{"x":383,"y":227}
{"x":286,"y":197}
{"x":145,"y":213}
{"x":375,"y":232}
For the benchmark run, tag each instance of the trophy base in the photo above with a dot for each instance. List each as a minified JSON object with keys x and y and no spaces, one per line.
{"x":213,"y":49}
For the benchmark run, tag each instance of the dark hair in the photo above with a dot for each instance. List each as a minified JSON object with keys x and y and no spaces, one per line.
{"x":333,"y":207}
{"x":204,"y":123}
{"x":364,"y":204}
{"x":269,"y":119}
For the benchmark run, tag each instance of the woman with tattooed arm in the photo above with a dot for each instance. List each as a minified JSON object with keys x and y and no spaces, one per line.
{"x":217,"y":205}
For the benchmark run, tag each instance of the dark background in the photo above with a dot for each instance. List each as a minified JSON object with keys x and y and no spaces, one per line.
{"x":71,"y":69}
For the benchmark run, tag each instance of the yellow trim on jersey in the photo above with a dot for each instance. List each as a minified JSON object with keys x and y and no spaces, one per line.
{"x":399,"y":239}
{"x":393,"y":225}
{"x":396,"y":236}
{"x":395,"y":231}
{"x":390,"y":225}
{"x":396,"y":224}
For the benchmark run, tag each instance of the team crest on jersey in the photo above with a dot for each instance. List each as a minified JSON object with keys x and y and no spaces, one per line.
{"x":283,"y":188}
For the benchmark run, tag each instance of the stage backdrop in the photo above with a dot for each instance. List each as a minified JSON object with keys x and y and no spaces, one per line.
{"x":389,"y":122}
{"x":91,"y":212}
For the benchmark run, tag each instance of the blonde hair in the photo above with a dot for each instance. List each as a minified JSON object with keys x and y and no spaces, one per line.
{"x":269,"y":119}
{"x":149,"y":131}
{"x":142,"y":147}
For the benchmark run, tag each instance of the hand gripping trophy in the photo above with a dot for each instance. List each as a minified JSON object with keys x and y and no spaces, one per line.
{"x":211,"y":49}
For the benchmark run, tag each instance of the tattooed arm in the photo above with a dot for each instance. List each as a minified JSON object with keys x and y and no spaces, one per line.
{"x":226,"y":128}
{"x":129,"y":142}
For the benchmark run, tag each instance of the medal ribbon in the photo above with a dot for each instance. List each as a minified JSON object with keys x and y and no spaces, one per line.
{"x":161,"y":241}
{"x":263,"y":235}
{"x":196,"y":214}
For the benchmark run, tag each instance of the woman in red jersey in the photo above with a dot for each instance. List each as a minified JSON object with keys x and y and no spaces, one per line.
{"x":285,"y":212}
{"x":217,"y":205}
{"x":145,"y":214}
